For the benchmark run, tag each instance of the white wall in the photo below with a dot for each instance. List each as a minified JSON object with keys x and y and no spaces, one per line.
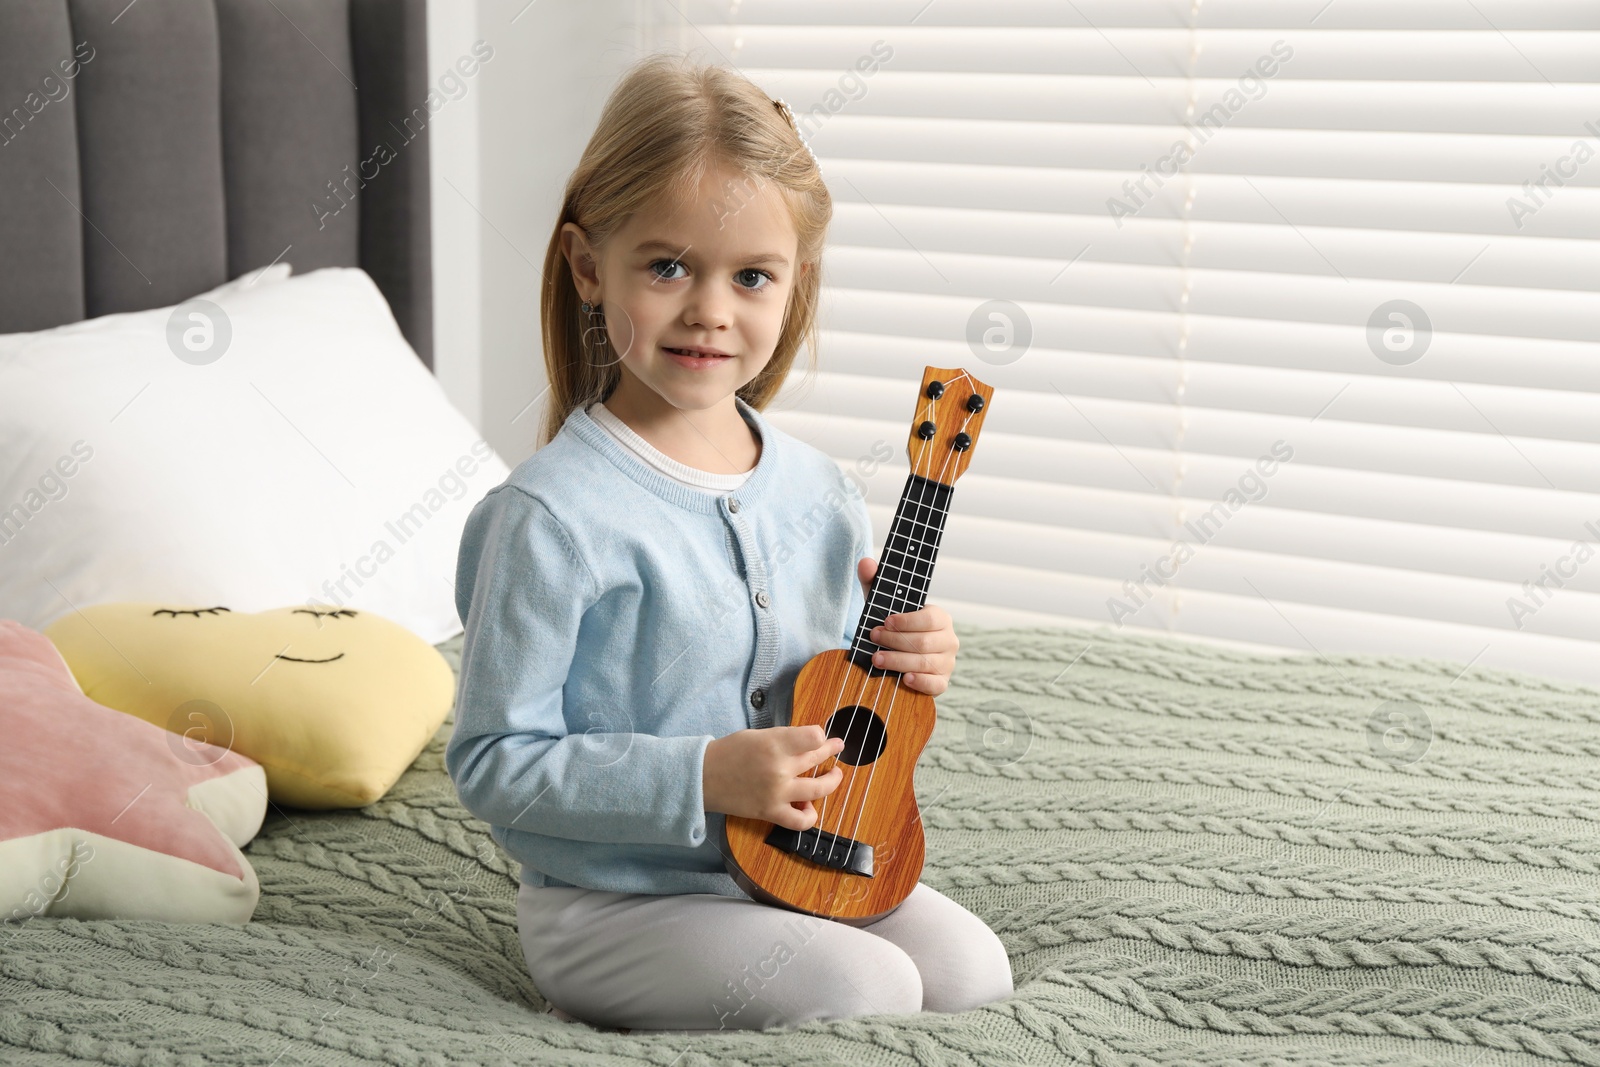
{"x":453,"y":159}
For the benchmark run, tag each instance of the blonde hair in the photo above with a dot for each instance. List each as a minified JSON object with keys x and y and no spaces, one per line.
{"x":665,"y":124}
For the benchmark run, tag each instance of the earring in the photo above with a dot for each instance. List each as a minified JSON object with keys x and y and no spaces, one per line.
{"x":594,"y":335}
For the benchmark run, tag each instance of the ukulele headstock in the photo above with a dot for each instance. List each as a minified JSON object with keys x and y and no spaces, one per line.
{"x":945,"y":427}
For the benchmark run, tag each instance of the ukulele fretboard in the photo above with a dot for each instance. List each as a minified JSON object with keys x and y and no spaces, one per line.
{"x":905,"y":569}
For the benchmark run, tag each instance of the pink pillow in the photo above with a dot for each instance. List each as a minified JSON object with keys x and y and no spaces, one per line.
{"x":105,"y":816}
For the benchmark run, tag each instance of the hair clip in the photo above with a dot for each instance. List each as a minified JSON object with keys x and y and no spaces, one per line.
{"x":789,"y":114}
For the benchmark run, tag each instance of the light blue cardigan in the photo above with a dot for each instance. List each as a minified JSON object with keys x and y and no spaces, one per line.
{"x":616,"y":623}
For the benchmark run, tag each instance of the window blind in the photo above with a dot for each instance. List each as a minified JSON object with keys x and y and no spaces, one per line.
{"x":1292,"y":308}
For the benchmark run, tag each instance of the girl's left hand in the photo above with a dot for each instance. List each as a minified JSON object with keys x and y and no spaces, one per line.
{"x":925,"y":641}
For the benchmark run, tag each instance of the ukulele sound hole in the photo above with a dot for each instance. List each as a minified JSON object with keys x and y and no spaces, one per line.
{"x":863,"y":733}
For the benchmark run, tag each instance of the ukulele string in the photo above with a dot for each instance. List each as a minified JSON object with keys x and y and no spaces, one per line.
{"x":889,"y":713}
{"x":894,"y":605}
{"x":844,"y":679}
{"x":895,"y":692}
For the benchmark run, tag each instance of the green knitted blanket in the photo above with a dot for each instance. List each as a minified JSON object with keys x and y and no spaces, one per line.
{"x":1193,"y":856}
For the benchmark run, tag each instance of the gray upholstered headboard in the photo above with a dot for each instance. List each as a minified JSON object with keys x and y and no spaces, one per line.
{"x":152,"y":150}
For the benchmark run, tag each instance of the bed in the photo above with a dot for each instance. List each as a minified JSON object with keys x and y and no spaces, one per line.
{"x":1193,"y":855}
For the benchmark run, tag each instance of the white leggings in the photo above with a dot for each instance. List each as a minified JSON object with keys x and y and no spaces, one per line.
{"x":702,"y":962}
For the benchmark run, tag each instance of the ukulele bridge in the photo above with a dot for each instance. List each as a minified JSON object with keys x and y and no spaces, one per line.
{"x":824,"y":849}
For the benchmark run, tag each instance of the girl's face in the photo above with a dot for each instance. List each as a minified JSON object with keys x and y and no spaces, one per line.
{"x":714,"y":273}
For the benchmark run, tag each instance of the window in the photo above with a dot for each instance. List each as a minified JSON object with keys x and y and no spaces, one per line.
{"x":1293,"y":308}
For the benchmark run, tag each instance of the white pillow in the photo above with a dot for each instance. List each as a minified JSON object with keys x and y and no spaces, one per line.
{"x":314,"y":461}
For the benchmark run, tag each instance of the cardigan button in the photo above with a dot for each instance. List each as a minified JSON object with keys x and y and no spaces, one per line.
{"x":763,"y":599}
{"x":733,"y":504}
{"x":758,"y":698}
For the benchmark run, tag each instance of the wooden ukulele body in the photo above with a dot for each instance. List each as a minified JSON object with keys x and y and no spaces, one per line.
{"x":830,"y":690}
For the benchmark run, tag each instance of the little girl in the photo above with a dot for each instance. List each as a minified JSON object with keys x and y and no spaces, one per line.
{"x":640,"y":594}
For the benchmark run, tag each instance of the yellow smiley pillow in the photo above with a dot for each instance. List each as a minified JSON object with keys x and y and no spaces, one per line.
{"x":334,"y":704}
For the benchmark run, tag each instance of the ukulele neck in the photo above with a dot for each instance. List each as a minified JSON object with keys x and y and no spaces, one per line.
{"x":905,"y":569}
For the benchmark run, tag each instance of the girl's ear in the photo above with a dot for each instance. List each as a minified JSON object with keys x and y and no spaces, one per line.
{"x":580,"y":258}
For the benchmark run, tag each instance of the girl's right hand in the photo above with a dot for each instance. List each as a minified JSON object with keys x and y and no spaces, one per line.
{"x":766,"y":774}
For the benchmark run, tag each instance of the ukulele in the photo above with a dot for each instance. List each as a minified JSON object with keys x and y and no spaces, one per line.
{"x":864,"y":854}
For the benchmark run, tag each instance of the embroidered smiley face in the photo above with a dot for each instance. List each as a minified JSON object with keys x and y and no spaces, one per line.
{"x":341,"y":613}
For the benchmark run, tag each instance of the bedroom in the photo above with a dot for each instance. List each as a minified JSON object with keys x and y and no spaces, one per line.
{"x":1266,"y":739}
